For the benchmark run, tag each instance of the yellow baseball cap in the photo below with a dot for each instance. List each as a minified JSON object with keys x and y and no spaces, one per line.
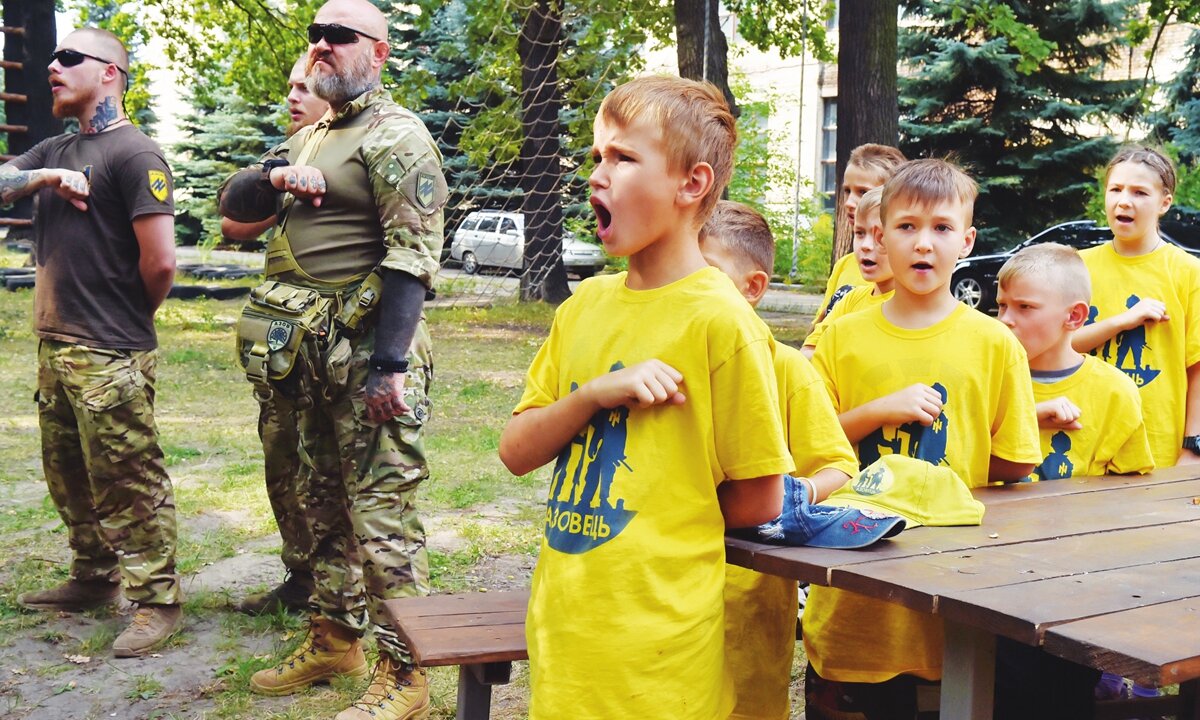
{"x":921,"y":493}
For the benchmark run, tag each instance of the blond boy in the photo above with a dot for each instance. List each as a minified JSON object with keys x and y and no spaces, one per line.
{"x":654,"y":388}
{"x":1089,"y":412}
{"x":760,"y":610}
{"x":925,"y":376}
{"x":872,"y":263}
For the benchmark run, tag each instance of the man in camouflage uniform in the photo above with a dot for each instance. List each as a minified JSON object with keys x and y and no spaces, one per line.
{"x":278,"y":425}
{"x":363,"y":194}
{"x":105,"y":250}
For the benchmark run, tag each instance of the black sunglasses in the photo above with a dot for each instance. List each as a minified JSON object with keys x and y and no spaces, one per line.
{"x":71,"y":58}
{"x":335,"y":34}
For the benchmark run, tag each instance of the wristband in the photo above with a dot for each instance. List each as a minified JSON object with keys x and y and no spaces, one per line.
{"x":388,"y":366}
{"x":812,"y":489}
{"x":270,"y":165}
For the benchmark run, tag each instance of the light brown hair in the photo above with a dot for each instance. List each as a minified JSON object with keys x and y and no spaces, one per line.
{"x":743,"y":231}
{"x":880,"y":159}
{"x":928,"y":182}
{"x":693,"y":120}
{"x":1150,"y":157}
{"x":1051,"y":265}
{"x":870,"y":201}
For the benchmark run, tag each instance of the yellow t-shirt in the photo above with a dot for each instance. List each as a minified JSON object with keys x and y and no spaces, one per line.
{"x":1112,"y":440}
{"x":625,"y":616}
{"x":982,"y":372}
{"x":844,"y":276}
{"x":1155,"y":356}
{"x":760,"y":610}
{"x":860,"y":298}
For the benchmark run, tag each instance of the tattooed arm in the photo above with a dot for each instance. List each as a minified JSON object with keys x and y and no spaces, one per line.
{"x":16,"y":184}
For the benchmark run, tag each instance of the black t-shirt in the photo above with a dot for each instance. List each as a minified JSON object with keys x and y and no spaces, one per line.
{"x":89,"y":289}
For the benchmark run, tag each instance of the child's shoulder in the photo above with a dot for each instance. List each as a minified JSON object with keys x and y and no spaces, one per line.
{"x":1100,"y":378}
{"x":792,"y":367}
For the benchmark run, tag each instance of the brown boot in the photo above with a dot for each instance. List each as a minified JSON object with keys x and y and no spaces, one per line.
{"x":291,"y":595}
{"x":152,"y":625}
{"x":73,"y":596}
{"x":394,"y":694}
{"x":330,"y":649}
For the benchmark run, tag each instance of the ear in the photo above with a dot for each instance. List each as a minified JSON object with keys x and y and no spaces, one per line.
{"x":379,"y":53}
{"x":877,"y":232}
{"x":1166,"y":204}
{"x":756,"y":282}
{"x":698,"y":183}
{"x":1077,"y":315}
{"x":968,"y":243}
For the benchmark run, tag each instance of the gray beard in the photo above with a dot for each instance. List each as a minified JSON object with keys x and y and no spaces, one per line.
{"x":339,"y":88}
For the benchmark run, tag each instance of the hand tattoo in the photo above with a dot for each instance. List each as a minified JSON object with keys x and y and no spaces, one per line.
{"x":106,"y":114}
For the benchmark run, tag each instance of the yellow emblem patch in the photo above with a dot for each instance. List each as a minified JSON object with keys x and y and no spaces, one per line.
{"x":158,"y":185}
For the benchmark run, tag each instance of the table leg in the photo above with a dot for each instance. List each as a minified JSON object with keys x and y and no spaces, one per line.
{"x":1189,"y":698}
{"x":968,"y":673}
{"x":474,"y":697}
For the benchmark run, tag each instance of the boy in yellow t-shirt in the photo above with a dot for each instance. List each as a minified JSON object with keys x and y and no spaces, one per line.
{"x":760,"y":610}
{"x":1145,"y":313}
{"x":656,"y":393}
{"x":872,"y":264}
{"x":924,"y":376}
{"x":1089,"y":412}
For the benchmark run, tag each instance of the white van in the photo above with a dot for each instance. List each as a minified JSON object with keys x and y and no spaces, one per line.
{"x":493,"y":238}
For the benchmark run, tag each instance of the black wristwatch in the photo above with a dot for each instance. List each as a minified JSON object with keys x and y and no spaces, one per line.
{"x":1192,"y":442}
{"x":270,"y":165}
{"x":388,"y":366}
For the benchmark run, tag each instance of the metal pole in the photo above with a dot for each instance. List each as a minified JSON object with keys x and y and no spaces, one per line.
{"x":799,"y":142}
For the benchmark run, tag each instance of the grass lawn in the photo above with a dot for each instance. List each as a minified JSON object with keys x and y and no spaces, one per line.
{"x":482,"y":523}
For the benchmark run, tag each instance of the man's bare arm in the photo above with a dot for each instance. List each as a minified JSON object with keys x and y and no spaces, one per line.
{"x":156,"y":242}
{"x":245,"y":232}
{"x":247,"y":197}
{"x":16,"y":184}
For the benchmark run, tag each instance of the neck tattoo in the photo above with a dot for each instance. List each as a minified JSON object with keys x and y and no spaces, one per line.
{"x":105,"y":116}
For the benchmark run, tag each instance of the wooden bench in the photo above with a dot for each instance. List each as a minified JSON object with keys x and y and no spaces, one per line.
{"x":482,"y":633}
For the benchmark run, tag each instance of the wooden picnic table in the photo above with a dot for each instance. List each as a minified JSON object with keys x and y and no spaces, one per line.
{"x":1103,"y":571}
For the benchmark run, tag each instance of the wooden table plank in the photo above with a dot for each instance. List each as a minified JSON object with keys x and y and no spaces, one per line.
{"x":458,"y":603}
{"x":456,"y":646}
{"x":1010,"y":523}
{"x":441,"y":622}
{"x":917,"y":582}
{"x":1155,"y":645}
{"x":1024,"y":611}
{"x":999,"y":494}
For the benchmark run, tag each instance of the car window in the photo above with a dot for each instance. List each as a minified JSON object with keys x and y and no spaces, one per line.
{"x":487,"y":225}
{"x":469,"y":224}
{"x":507,"y":226}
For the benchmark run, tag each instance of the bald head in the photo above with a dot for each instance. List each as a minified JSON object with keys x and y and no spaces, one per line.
{"x":100,"y":43}
{"x":358,"y":14}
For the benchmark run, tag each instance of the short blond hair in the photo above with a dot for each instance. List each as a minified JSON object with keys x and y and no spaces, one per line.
{"x":743,"y":231}
{"x":693,"y":120}
{"x":1152,"y":158}
{"x":928,"y":182}
{"x":869,"y":201}
{"x":1050,"y":265}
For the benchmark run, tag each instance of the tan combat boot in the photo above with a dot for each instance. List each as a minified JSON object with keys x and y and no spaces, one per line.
{"x":330,"y":649}
{"x":73,"y":596}
{"x":394,"y":694}
{"x":151,"y":626}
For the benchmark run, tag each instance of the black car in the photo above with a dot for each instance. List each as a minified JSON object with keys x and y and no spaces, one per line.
{"x":974,"y":280}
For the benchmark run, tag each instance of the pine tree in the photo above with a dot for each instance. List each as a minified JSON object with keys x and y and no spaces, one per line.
{"x":1178,"y":121}
{"x":1022,"y":132}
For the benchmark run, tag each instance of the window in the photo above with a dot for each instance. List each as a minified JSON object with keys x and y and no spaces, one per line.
{"x":508,"y":226}
{"x":469,"y":224}
{"x":487,"y":224}
{"x":827,"y":177}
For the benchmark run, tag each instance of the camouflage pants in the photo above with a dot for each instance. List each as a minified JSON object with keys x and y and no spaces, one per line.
{"x":278,"y":429}
{"x":362,"y":485}
{"x":104,"y":468}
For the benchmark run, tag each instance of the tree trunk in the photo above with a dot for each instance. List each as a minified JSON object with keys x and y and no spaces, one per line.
{"x":544,"y":277}
{"x":32,"y":49}
{"x":692,"y":19}
{"x":867,"y":110}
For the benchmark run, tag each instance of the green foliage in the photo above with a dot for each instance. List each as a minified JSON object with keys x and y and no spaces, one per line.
{"x":1001,"y":21}
{"x":222,"y":137}
{"x":1023,"y":136}
{"x":812,"y":266}
{"x":791,"y":27}
{"x":1178,"y":120}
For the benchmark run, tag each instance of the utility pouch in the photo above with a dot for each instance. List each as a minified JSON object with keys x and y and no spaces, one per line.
{"x":278,"y":324}
{"x":358,"y":303}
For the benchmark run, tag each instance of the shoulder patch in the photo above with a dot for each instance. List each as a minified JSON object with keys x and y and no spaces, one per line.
{"x":158,"y":185}
{"x":426,"y":189}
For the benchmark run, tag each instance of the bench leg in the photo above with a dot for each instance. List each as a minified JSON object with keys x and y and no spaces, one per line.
{"x":1189,"y":700}
{"x":968,"y":673}
{"x":475,"y":689}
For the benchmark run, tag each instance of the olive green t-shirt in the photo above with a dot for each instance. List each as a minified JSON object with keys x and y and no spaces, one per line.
{"x":89,"y":289}
{"x":384,"y":194}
